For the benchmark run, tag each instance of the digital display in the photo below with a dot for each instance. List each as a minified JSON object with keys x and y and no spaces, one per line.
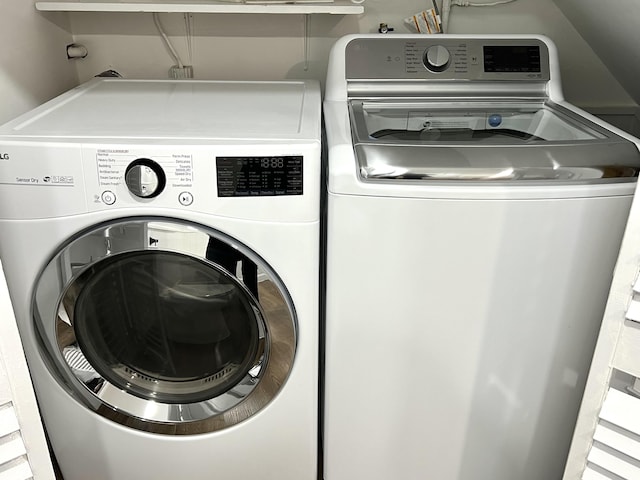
{"x":512,"y":58}
{"x":259,"y":176}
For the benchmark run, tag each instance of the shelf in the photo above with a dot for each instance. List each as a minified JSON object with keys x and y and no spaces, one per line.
{"x":337,"y":7}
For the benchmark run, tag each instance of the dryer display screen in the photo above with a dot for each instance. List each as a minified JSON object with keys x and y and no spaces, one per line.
{"x":259,"y":176}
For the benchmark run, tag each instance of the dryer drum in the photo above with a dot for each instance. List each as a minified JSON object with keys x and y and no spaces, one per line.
{"x":165,"y":326}
{"x":167,"y":341}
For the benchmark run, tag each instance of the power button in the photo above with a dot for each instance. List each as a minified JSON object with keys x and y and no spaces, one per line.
{"x":108,"y":197}
{"x":185,"y":198}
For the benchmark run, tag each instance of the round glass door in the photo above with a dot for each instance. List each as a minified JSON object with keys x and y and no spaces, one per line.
{"x":165,"y":324}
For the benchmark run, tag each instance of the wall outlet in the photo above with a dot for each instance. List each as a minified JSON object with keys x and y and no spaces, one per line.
{"x":181,"y":72}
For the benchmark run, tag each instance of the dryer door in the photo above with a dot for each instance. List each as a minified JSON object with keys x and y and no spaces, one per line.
{"x":163,"y":326}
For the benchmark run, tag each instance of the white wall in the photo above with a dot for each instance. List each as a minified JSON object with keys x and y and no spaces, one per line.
{"x":231,"y":46}
{"x":33,"y":60}
{"x":612,"y":29}
{"x":34,"y":67}
{"x":587,"y":81}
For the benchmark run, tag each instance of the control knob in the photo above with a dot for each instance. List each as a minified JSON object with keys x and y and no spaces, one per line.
{"x":437,"y":58}
{"x":145,"y":178}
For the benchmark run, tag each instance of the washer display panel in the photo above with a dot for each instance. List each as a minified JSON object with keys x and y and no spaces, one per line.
{"x":164,"y":326}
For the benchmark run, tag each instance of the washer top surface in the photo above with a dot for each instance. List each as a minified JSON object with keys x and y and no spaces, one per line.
{"x":180,"y":110}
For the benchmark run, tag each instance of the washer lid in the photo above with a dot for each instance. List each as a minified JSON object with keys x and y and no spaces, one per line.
{"x":176,"y":109}
{"x":466,"y":140}
{"x":506,"y":123}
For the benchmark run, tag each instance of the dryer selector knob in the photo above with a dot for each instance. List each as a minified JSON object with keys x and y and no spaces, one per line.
{"x":437,"y":58}
{"x":145,"y":178}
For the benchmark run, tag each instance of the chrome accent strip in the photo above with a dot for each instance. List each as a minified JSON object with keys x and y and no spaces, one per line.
{"x":495,"y":165}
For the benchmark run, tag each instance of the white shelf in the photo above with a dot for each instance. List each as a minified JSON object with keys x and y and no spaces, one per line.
{"x":337,"y":7}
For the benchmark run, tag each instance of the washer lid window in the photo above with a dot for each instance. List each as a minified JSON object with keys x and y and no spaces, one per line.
{"x":514,"y":123}
{"x":532,"y":141}
{"x":165,"y":340}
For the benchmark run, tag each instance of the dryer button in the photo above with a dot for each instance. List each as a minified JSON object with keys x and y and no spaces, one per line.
{"x":185,"y":198}
{"x":108,"y":197}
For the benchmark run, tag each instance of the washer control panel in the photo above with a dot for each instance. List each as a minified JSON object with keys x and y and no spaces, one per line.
{"x":441,"y":58}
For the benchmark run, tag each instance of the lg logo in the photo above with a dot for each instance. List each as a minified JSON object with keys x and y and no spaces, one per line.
{"x":4,"y":156}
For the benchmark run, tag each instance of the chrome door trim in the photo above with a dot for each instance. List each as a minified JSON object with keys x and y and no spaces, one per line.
{"x":53,"y":316}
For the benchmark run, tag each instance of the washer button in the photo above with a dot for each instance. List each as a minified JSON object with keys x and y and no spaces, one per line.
{"x":108,"y":197}
{"x":185,"y":198}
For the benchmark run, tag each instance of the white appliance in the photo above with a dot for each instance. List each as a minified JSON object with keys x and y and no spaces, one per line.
{"x":160,"y":241}
{"x":23,"y":447}
{"x":474,"y":218}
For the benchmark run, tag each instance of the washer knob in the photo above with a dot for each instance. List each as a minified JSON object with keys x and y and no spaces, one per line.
{"x":145,"y":178}
{"x":437,"y":58}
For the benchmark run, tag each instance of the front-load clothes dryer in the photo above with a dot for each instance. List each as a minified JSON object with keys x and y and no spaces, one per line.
{"x":474,"y":218}
{"x":160,"y":240}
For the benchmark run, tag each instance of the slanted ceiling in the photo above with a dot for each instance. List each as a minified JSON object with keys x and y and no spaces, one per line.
{"x":611,"y":28}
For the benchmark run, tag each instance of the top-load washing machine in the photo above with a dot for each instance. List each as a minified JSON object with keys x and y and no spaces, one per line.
{"x":160,"y":241}
{"x":474,"y":218}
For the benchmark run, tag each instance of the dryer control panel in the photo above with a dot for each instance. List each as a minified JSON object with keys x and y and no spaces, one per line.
{"x":265,"y":182}
{"x":259,"y":176}
{"x":145,"y":173}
